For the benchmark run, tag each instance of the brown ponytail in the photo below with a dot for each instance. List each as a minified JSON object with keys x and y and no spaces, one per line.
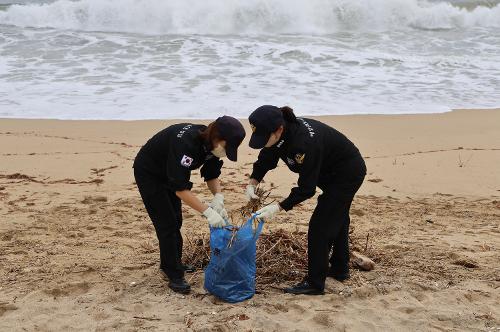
{"x":210,"y":134}
{"x":288,"y":114}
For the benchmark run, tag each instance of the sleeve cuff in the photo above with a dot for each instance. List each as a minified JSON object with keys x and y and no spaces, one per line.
{"x":211,"y":177}
{"x":257,"y":175}
{"x":294,"y":199}
{"x":211,"y":170}
{"x":286,"y":204}
{"x":180,"y":187}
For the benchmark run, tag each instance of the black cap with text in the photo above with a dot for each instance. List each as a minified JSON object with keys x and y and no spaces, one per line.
{"x":264,"y":121}
{"x":232,"y":131}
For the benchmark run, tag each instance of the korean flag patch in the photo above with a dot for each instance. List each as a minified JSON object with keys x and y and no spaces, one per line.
{"x":186,"y":161}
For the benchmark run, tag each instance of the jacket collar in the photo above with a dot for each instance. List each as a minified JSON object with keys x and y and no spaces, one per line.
{"x":289,"y":132}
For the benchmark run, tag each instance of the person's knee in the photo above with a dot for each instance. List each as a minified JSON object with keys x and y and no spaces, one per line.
{"x":319,"y":234}
{"x":166,"y":228}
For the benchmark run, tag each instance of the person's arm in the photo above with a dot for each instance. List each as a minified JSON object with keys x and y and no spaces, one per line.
{"x":306,"y":186}
{"x":178,"y":172}
{"x":213,"y":217}
{"x":267,"y":160}
{"x":218,"y":201}
{"x":191,"y":200}
{"x":214,"y":186}
{"x":253,"y":182}
{"x":211,"y":170}
{"x":308,"y":179}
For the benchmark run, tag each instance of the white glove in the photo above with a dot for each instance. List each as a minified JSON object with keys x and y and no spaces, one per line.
{"x":268,"y":212}
{"x":250,"y":192}
{"x":214,"y":219}
{"x":218,"y":205}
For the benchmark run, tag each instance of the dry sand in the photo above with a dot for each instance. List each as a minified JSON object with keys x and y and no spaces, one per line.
{"x":78,"y":252}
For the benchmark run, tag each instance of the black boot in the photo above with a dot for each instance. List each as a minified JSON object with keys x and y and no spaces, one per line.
{"x":179,"y":285}
{"x":304,"y":288}
{"x":339,"y":276}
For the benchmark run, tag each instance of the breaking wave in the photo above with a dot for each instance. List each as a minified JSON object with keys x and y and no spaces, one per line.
{"x":233,"y":17}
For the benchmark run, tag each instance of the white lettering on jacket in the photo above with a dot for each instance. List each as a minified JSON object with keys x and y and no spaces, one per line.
{"x":308,"y":126}
{"x":183,"y":130}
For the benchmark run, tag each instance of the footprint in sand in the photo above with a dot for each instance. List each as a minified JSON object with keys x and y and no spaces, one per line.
{"x":4,"y":307}
{"x":275,"y":308}
{"x":297,"y":307}
{"x":365,"y":291}
{"x":94,"y":199}
{"x":357,"y":212}
{"x":73,"y":289}
{"x":322,"y":319}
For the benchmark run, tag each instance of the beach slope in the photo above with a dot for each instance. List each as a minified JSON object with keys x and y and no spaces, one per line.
{"x":79,"y":253}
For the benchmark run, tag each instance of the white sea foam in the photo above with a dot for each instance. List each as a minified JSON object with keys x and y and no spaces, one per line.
{"x":189,"y":59}
{"x":247,"y":16}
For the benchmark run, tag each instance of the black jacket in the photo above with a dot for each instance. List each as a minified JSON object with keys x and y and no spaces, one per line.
{"x":316,"y":151}
{"x":174,"y":152}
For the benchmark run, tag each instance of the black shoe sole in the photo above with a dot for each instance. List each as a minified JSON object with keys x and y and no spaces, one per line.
{"x":180,"y":290}
{"x":309,"y":292}
{"x":339,"y":276}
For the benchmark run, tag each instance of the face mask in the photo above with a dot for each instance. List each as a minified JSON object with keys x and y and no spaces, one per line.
{"x":219,"y":151}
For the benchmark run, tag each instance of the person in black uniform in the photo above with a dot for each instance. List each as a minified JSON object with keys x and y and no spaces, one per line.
{"x":162,"y":171}
{"x":324,"y":158}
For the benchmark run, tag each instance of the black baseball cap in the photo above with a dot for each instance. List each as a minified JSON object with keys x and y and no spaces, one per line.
{"x":232,"y":131}
{"x":264,"y":121}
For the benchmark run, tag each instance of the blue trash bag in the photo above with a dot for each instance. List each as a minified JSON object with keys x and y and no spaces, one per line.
{"x":230,"y":274}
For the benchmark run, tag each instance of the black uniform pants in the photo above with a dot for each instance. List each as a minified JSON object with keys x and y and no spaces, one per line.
{"x":164,"y":209}
{"x":329,"y":227}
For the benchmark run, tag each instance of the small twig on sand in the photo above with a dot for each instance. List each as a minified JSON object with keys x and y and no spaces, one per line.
{"x":147,"y":318}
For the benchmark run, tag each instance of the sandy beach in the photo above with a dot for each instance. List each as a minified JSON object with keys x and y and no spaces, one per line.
{"x":78,"y":251}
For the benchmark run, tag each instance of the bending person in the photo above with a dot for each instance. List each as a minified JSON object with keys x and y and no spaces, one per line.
{"x":162,"y":171}
{"x":324,"y":158}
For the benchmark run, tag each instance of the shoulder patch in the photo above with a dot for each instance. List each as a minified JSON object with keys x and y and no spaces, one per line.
{"x":299,"y":158}
{"x":186,"y":161}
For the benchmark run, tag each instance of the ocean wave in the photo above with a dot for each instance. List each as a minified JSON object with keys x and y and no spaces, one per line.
{"x":226,"y":17}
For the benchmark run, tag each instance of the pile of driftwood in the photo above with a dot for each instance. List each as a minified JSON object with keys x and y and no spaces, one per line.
{"x":281,"y":255}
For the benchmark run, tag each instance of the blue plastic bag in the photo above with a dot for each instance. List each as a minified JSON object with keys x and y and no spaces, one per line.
{"x":230,"y":274}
